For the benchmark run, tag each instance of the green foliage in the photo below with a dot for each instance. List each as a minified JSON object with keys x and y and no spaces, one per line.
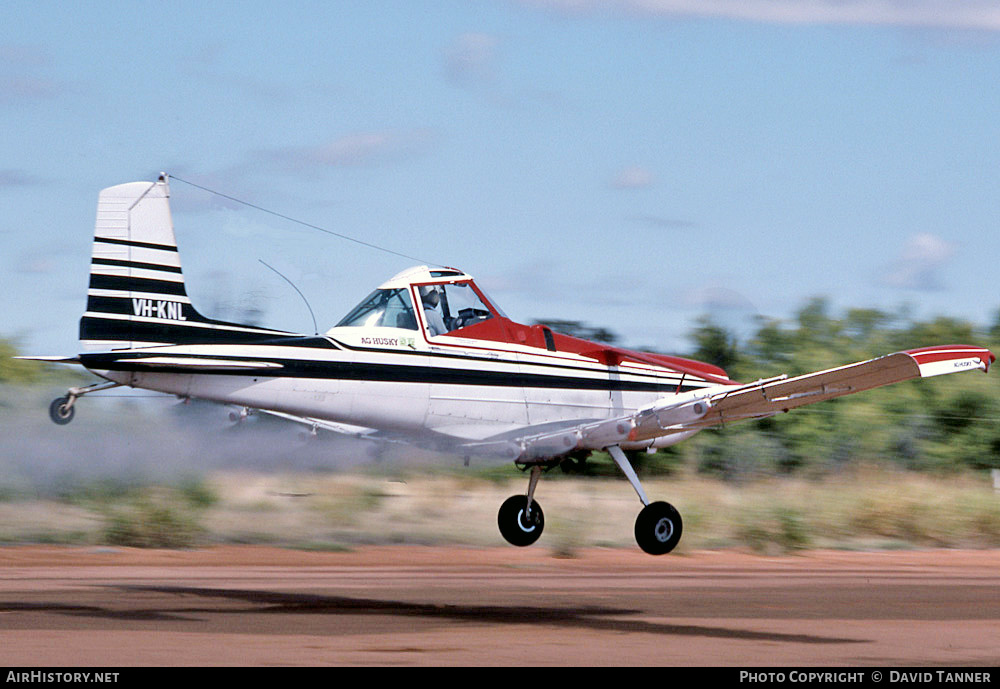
{"x":141,"y":515}
{"x":714,"y":345}
{"x":775,"y":528}
{"x":20,"y":372}
{"x":943,"y":425}
{"x":148,"y":525}
{"x":16,"y":371}
{"x":154,"y":518}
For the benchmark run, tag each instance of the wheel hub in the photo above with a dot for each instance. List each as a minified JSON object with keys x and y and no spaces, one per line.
{"x":527,"y":522}
{"x":664,"y":530}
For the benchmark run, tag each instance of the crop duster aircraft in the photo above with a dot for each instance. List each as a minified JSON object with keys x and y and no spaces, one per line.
{"x":428,"y":355}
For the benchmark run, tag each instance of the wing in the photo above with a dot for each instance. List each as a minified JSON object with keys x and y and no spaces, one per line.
{"x":690,"y":412}
{"x":686,"y":413}
{"x":771,"y":397}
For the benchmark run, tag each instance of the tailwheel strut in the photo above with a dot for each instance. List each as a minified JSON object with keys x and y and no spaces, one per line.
{"x":61,"y":409}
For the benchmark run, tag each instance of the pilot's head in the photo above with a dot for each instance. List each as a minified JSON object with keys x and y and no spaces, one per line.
{"x":430,"y":296}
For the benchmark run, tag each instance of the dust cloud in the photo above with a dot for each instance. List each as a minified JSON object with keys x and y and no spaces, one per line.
{"x":139,"y":437}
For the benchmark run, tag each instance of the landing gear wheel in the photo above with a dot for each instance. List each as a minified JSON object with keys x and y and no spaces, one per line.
{"x":518,"y":528}
{"x":658,"y":528}
{"x":61,"y":410}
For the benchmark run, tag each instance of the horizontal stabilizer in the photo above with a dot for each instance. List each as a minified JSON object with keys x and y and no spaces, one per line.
{"x":53,"y":359}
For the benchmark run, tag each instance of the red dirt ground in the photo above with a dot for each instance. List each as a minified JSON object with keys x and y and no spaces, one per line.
{"x":413,"y":605}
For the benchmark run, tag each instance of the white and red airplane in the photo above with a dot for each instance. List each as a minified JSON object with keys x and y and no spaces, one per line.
{"x":428,"y":355}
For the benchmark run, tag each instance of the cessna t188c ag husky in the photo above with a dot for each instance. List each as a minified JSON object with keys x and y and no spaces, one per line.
{"x":428,"y":355}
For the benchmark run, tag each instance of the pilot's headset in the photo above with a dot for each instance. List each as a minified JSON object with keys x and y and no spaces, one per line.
{"x":425,"y":294}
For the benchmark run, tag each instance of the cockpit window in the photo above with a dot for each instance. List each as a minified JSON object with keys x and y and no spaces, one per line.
{"x":387,"y":308}
{"x":452,"y":306}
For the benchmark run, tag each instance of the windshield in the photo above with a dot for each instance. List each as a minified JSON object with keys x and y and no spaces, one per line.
{"x":387,"y":308}
{"x":451,"y":306}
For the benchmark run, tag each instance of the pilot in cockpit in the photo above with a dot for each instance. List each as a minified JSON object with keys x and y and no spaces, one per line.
{"x":431,"y":298}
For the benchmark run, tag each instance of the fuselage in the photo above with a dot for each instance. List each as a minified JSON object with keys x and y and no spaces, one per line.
{"x":402,"y":380}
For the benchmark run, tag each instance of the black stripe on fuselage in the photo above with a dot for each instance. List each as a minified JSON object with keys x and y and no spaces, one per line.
{"x":174,"y":332}
{"x":395,"y":373}
{"x":96,"y":328}
{"x":541,"y":364}
{"x":181,"y":334}
{"x":141,"y":245}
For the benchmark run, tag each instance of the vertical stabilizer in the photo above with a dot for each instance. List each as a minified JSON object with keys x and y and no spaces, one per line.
{"x":136,"y":296}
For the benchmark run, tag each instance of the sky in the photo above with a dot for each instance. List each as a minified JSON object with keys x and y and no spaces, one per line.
{"x":633,"y":164}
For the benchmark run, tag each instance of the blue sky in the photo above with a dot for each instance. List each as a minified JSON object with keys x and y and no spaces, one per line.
{"x":631,"y":164}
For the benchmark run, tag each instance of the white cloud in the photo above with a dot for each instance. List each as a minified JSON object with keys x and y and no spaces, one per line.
{"x":470,"y":62}
{"x":716,"y":298}
{"x":17,"y":89}
{"x":21,"y":75}
{"x":16,"y":178}
{"x":633,"y":177}
{"x":946,"y":14}
{"x":353,"y":150}
{"x":659,"y":222}
{"x":918,"y":265}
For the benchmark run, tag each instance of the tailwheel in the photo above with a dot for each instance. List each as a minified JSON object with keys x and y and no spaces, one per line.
{"x":658,"y":528}
{"x":61,"y":410}
{"x":518,"y":524}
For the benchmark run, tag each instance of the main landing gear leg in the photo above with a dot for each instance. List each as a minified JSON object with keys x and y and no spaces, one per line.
{"x":658,"y":526}
{"x":61,"y":410}
{"x":520,"y":518}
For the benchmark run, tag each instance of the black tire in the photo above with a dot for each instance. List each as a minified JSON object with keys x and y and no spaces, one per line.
{"x":520,"y":529}
{"x":658,"y":528}
{"x":60,"y":411}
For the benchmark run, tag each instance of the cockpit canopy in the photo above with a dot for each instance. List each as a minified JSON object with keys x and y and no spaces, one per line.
{"x":447,"y":304}
{"x":447,"y":300}
{"x":386,"y":308}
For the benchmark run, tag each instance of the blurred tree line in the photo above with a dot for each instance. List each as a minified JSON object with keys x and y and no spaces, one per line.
{"x":15,"y":372}
{"x":942,"y":424}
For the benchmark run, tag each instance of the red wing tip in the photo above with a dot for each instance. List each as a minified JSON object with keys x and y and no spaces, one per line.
{"x":943,"y":353}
